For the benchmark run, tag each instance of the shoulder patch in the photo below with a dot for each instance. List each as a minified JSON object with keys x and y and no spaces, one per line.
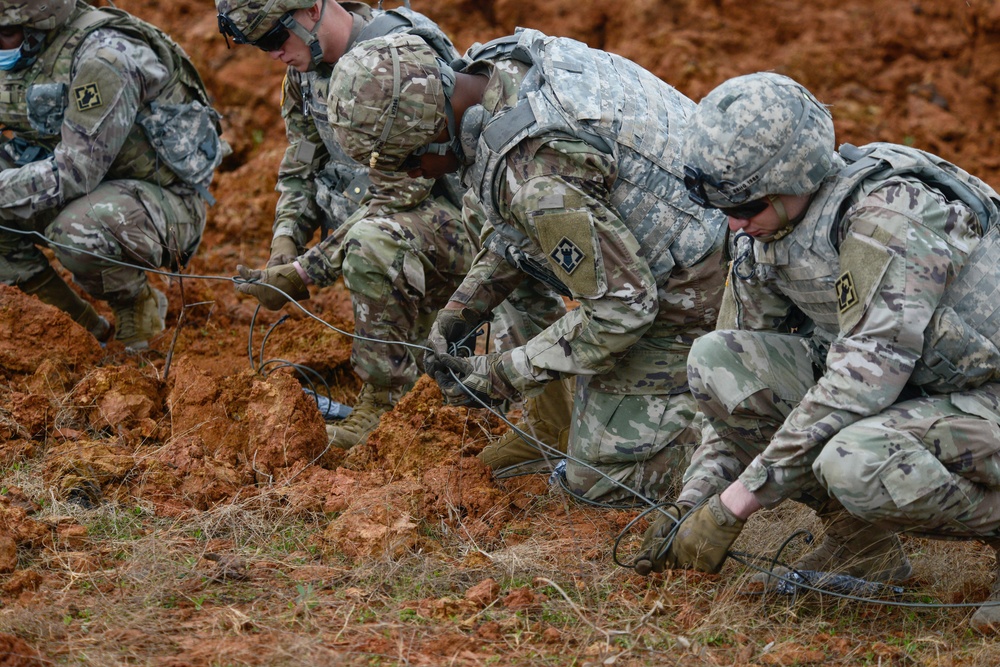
{"x":87,"y":97}
{"x":566,"y":237}
{"x":847,"y":296}
{"x":864,"y":264}
{"x":567,"y":255}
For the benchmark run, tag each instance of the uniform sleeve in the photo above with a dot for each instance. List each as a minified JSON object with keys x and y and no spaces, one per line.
{"x":395,"y":192}
{"x":324,"y":262}
{"x":557,"y":194}
{"x":109,"y":77}
{"x":904,"y":246}
{"x":296,"y":214}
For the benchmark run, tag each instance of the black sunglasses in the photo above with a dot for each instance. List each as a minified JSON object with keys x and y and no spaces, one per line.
{"x":746,"y":211}
{"x":272,"y":40}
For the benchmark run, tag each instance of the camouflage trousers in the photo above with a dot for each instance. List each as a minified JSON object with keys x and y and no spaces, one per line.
{"x":130,"y":221}
{"x":636,"y":426}
{"x":928,"y":465}
{"x":400,"y":270}
{"x":620,"y":443}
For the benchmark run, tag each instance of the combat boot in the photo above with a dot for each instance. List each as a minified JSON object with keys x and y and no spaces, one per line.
{"x":853,"y":547}
{"x":547,"y":418}
{"x":987,"y":618}
{"x":372,"y":403}
{"x":141,"y":319}
{"x":49,"y":286}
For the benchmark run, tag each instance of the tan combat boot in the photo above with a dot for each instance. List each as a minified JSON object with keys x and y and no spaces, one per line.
{"x":547,"y":419}
{"x":987,"y":618}
{"x":49,"y":286}
{"x":372,"y":403}
{"x":141,"y":319}
{"x":853,"y":547}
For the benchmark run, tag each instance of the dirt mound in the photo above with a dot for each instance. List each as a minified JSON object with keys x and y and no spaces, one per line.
{"x":214,"y":414}
{"x":42,"y":350}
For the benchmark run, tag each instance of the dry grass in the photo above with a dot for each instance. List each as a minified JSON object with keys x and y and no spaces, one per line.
{"x":244,"y":584}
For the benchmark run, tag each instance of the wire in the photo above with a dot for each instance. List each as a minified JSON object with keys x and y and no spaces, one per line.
{"x":550,"y":452}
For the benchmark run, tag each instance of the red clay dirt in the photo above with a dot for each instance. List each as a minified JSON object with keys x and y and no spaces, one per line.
{"x":190,"y":425}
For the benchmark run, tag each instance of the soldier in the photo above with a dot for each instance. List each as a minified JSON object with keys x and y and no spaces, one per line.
{"x":400,"y":243}
{"x":569,"y":153}
{"x":108,"y":147}
{"x":882,"y":410}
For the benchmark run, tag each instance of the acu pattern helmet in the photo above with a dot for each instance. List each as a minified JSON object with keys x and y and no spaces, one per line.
{"x":255,"y":17}
{"x":37,"y":14}
{"x":388,"y":100}
{"x":757,"y":135}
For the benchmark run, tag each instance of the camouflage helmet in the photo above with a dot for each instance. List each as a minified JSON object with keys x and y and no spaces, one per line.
{"x":37,"y":14}
{"x":388,"y":100}
{"x":756,"y":135}
{"x":255,"y":17}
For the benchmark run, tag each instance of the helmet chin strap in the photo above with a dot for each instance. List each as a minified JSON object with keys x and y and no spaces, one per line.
{"x":308,"y":36}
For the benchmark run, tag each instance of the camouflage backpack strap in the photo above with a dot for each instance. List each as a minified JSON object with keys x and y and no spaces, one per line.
{"x":882,"y":161}
{"x":382,"y":25}
{"x":501,"y":48}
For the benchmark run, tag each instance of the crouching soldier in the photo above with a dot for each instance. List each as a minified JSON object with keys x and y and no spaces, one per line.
{"x":400,"y":243}
{"x":861,"y":371}
{"x":108,"y":147}
{"x":570,"y":154}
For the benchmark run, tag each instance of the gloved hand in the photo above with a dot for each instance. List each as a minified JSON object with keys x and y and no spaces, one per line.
{"x":648,"y":559}
{"x":483,"y":376}
{"x":284,"y":277}
{"x":283,"y":251}
{"x":703,"y":538}
{"x":452,"y":326}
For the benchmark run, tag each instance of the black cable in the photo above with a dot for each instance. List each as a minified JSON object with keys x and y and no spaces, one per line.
{"x":263,"y":342}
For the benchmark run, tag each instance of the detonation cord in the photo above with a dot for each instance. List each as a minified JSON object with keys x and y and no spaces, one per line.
{"x":549,"y":452}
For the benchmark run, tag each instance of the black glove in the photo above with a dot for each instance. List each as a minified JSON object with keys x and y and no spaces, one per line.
{"x":482,"y":376}
{"x":454,"y":326}
{"x":284,"y":277}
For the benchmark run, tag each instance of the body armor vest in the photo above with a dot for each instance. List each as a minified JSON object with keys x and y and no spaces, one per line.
{"x":33,"y":100}
{"x":573,"y":91}
{"x":806,"y":264}
{"x":341,"y":174}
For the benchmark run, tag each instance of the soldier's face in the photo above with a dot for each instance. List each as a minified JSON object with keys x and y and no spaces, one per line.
{"x":11,"y":37}
{"x":767,"y":223}
{"x":294,"y":52}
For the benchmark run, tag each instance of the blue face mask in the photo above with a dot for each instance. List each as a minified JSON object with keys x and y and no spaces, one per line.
{"x":9,"y":58}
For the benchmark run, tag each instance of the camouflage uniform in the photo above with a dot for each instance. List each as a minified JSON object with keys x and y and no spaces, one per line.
{"x":90,"y":128}
{"x":643,"y":262}
{"x":402,"y":255}
{"x":864,"y":363}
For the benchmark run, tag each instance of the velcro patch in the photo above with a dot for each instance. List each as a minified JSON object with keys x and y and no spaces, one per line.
{"x":567,"y":255}
{"x":87,"y":96}
{"x":567,"y":239}
{"x":847,"y":296}
{"x":865,"y":263}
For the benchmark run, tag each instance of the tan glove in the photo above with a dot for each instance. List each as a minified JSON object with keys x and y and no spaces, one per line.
{"x":283,"y":251}
{"x":703,"y":538}
{"x":261,"y":283}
